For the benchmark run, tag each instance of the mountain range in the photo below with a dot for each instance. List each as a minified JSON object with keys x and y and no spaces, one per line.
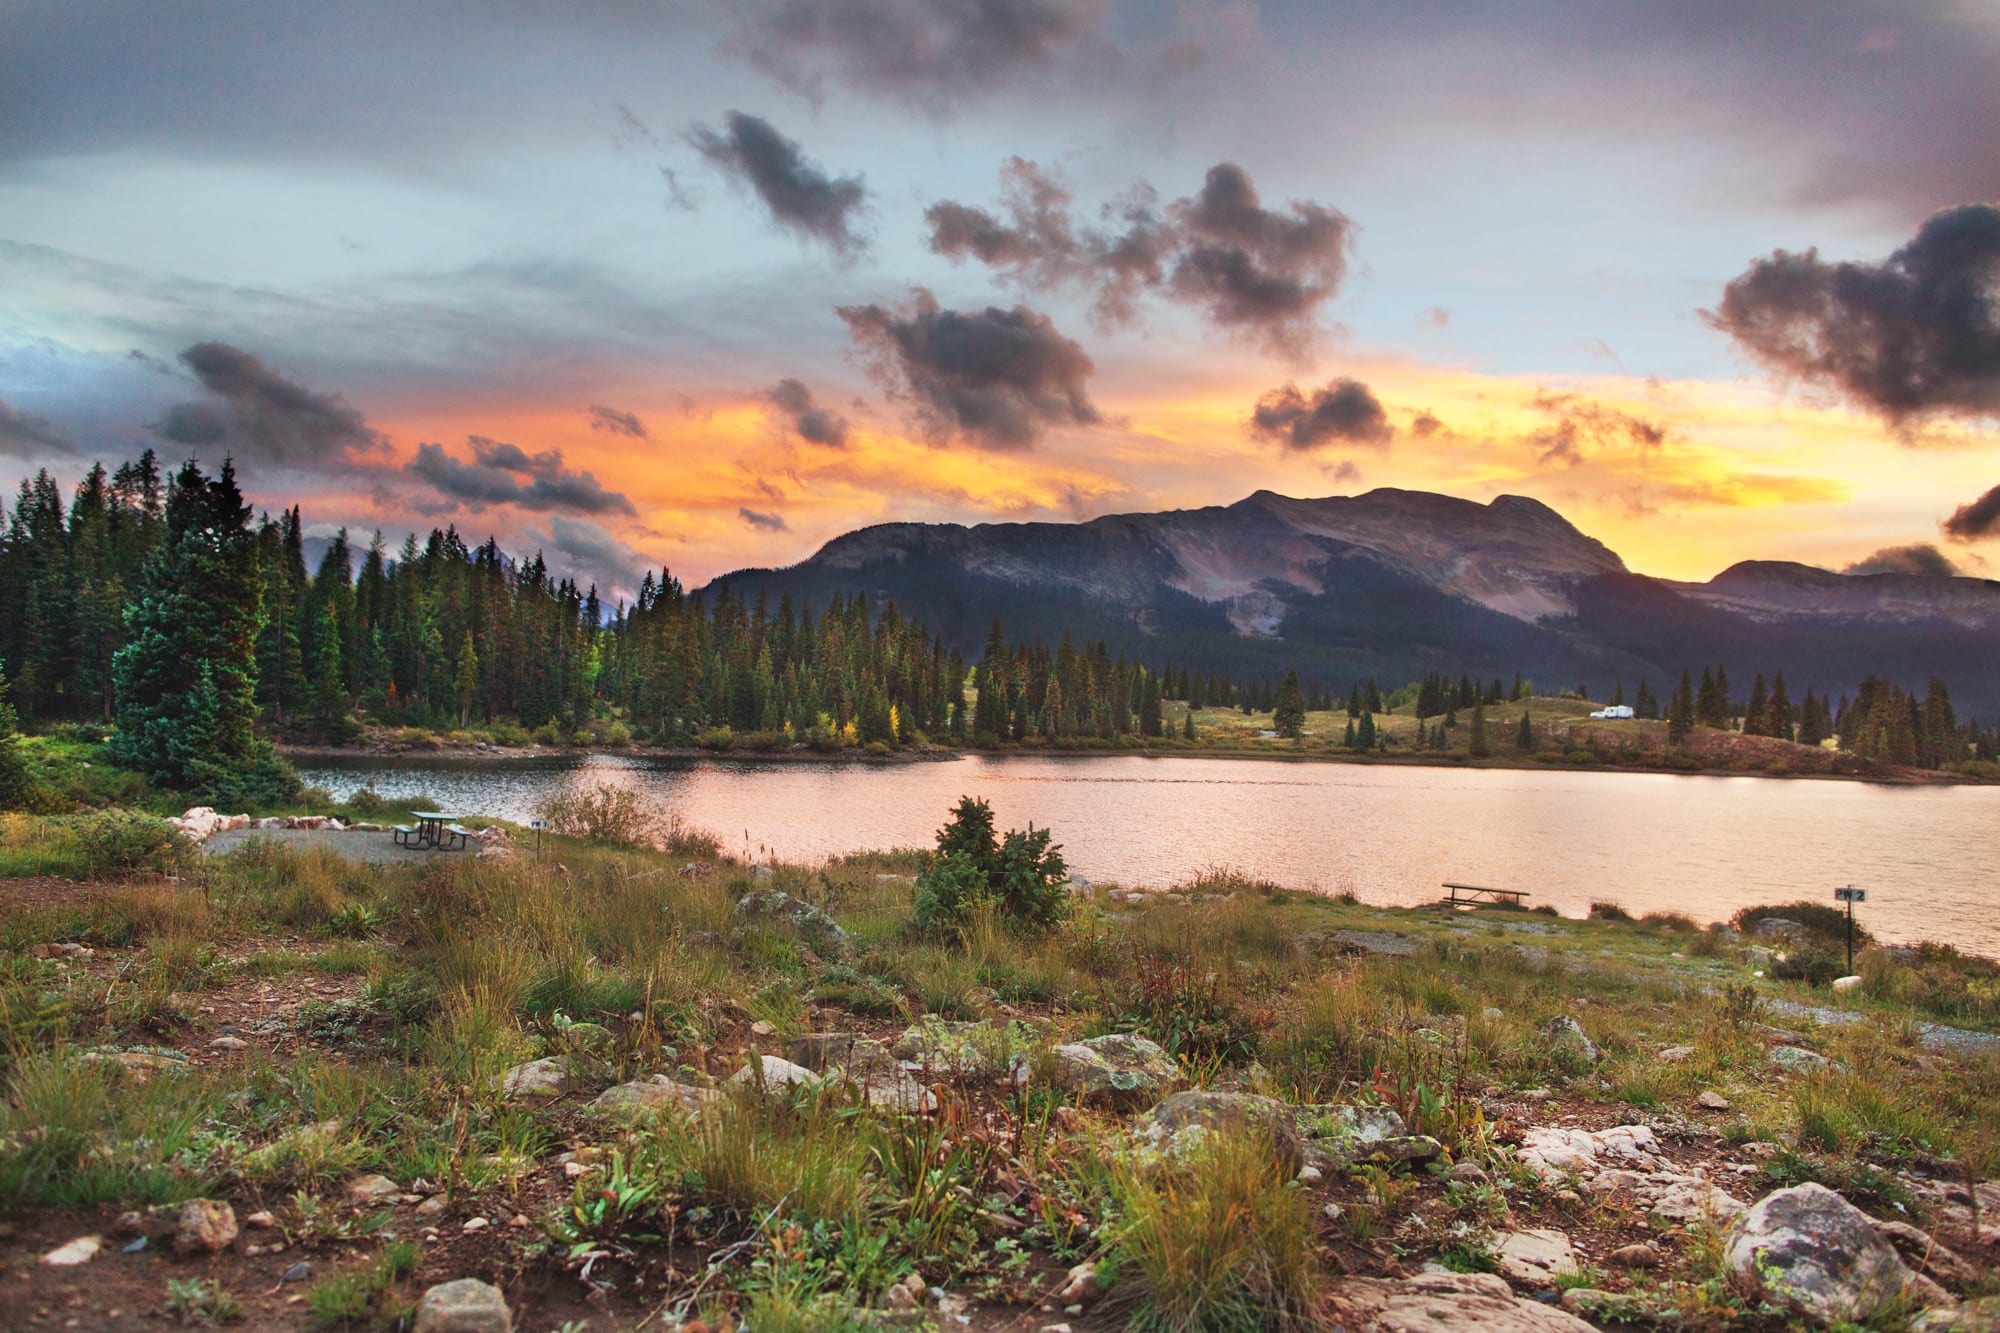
{"x":1393,"y":584}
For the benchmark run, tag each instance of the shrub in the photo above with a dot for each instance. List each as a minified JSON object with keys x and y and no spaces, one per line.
{"x":268,"y":782}
{"x":716,"y":738}
{"x":1608,"y":911}
{"x":1824,"y":923}
{"x":1022,"y":875}
{"x":124,"y":842}
{"x":603,"y":813}
{"x":1809,"y":963}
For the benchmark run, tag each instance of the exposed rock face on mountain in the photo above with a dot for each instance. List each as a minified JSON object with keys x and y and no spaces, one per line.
{"x":1392,"y":584}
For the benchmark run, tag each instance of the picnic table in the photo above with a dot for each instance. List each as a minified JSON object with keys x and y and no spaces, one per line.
{"x":1476,"y":895}
{"x":433,"y":829}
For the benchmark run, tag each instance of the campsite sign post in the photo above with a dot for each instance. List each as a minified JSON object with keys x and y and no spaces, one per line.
{"x":1850,"y":895}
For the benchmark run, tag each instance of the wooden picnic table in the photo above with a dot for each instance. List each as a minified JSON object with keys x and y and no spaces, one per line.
{"x":434,"y":828}
{"x":1473,"y":895}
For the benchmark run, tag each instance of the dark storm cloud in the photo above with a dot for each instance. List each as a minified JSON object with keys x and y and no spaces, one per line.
{"x":26,"y":435}
{"x":763,"y":521}
{"x":934,"y":53}
{"x":997,"y":379}
{"x":262,"y":416}
{"x":1920,"y":558}
{"x":504,"y":473}
{"x":1913,"y":337}
{"x":814,"y":422}
{"x":1344,"y":412}
{"x":800,"y":195}
{"x":1257,"y":272}
{"x":1980,"y":518}
{"x":614,"y":422}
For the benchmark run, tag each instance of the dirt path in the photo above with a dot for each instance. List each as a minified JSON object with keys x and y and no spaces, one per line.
{"x":375,"y":848}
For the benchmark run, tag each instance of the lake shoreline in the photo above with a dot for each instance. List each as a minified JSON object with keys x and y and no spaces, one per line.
{"x":500,"y":756}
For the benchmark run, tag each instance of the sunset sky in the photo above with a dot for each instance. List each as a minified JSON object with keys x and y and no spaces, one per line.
{"x":641,"y":282}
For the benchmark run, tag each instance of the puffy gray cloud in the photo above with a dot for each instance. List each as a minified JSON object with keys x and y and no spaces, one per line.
{"x":997,"y":379}
{"x":26,"y":435}
{"x":594,"y":555}
{"x":1915,"y":336}
{"x":1919,"y":558}
{"x":1258,"y":271}
{"x":762,"y":521}
{"x":801,"y":196}
{"x":1980,"y":518}
{"x":1263,"y":273}
{"x":934,"y":53}
{"x":1038,"y":246}
{"x":614,"y":422}
{"x":505,"y":474}
{"x":1577,"y":424}
{"x":260,"y":415}
{"x":814,"y":422}
{"x":1346,"y":411}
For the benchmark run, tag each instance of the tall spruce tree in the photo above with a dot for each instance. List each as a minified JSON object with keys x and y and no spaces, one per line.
{"x":1288,"y":719}
{"x":186,"y":678}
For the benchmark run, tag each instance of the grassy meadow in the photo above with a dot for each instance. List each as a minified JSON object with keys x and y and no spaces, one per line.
{"x":276,"y":1026}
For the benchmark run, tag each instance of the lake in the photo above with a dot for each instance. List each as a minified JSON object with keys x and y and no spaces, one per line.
{"x":1929,"y":857}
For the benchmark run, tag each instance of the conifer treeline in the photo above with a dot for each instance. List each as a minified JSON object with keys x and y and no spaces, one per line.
{"x":444,"y":635}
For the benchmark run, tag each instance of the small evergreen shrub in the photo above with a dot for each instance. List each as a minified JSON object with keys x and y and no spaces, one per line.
{"x":1021,"y":875}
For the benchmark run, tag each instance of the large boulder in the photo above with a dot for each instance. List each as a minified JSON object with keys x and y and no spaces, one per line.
{"x":1810,"y":1250}
{"x":1447,"y":1303}
{"x":1274,"y":1120}
{"x":203,"y":1226}
{"x":1123,"y":1068}
{"x":1536,"y":1257}
{"x":465,"y":1306}
{"x":818,"y":930}
{"x":1565,"y":1034}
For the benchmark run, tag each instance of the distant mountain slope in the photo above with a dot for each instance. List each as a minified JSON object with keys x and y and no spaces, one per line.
{"x":1392,"y":584}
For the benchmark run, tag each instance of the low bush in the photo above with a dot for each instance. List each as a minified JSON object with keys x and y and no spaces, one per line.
{"x":601,"y":813}
{"x":1821,"y":921}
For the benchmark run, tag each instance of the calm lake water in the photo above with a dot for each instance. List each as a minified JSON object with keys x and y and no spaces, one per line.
{"x":1929,"y":857}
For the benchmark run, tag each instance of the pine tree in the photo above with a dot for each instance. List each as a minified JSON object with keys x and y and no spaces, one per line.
{"x":1681,"y":713}
{"x":1478,"y":747}
{"x":1364,"y":733}
{"x":1754,"y":719}
{"x":1289,"y":717}
{"x":1187,"y":726}
{"x":186,"y":677}
{"x":465,"y":679}
{"x":1524,"y":738}
{"x":13,"y":764}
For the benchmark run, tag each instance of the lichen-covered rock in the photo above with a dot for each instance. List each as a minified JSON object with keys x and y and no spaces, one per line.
{"x":1626,"y":1159}
{"x":1122,"y":1067}
{"x":1346,"y":1135}
{"x":1812,"y":1251}
{"x":1447,"y":1303}
{"x":1233,"y":1110}
{"x":1796,"y":1059}
{"x":372,"y":1189}
{"x":818,"y":930}
{"x":640,"y":1099}
{"x":889,"y":1088}
{"x":537,"y":1078}
{"x":1980,"y":1316}
{"x":203,"y":1226}
{"x":465,"y":1306}
{"x":973,"y":1049}
{"x":1565,"y":1034}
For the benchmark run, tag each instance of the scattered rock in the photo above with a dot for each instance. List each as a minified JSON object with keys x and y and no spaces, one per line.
{"x":1081,"y":1287}
{"x":1640,"y":1255}
{"x":973,"y":1049}
{"x":432,"y":1207}
{"x":1468,"y":1173}
{"x":822,"y":1050}
{"x":1346,"y":1135}
{"x":1841,"y":984}
{"x":1778,"y":928}
{"x":660,"y":1093}
{"x":1535,"y":1257}
{"x":1612,"y":1307}
{"x":763,"y":1028}
{"x":1809,"y":1249}
{"x":228,"y":1044}
{"x":811,"y":924}
{"x":1711,"y":1100}
{"x":1376,"y":942}
{"x":465,"y":1306}
{"x":1796,"y":1059}
{"x":298,"y":1272}
{"x":203,"y":1226}
{"x":537,"y":1078}
{"x":1310,"y":1175}
{"x":1922,"y":1253}
{"x":1980,"y":1316}
{"x":769,"y":1074}
{"x":1625,"y":1159}
{"x":1448,"y":1303}
{"x":1564,"y":1033}
{"x":1491,"y":1015}
{"x":1122,"y":1068}
{"x":139,"y":1066}
{"x":1673,"y":1055}
{"x":1332,"y":1212}
{"x":79,"y":1251}
{"x":372,"y":1189}
{"x":1183,"y":1111}
{"x":473,"y":1224}
{"x":261,"y":1221}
